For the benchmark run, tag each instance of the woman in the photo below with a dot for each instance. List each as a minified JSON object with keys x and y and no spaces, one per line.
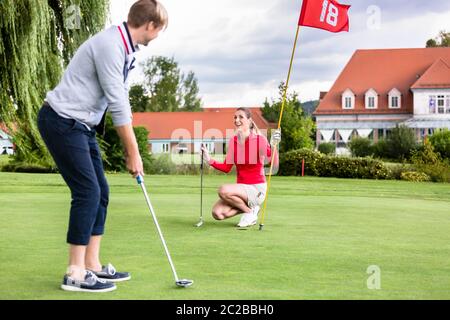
{"x":249,"y":151}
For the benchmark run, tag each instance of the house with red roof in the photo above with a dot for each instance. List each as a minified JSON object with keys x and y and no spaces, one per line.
{"x":184,"y":132}
{"x":380,"y":89}
{"x":6,"y":145}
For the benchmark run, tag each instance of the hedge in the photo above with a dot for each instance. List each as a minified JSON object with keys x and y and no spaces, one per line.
{"x":317,"y":164}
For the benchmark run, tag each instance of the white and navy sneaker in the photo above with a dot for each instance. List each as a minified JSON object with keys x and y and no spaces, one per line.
{"x":249,"y":219}
{"x":109,"y":273}
{"x":90,"y":284}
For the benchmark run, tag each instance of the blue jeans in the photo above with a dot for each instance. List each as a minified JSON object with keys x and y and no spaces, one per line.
{"x":77,"y":156}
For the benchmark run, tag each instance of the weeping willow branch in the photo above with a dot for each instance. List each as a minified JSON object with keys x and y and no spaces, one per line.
{"x":37,"y":39}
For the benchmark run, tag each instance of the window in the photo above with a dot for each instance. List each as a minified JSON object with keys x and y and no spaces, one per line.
{"x":348,"y":103}
{"x":432,"y":104}
{"x":371,"y":99}
{"x":440,"y":104}
{"x":348,"y":99}
{"x":394,"y":102}
{"x":394,"y":98}
{"x":182,"y":148}
{"x":165,"y":148}
{"x":388,"y":133}
{"x":447,"y":104}
{"x":422,"y":133}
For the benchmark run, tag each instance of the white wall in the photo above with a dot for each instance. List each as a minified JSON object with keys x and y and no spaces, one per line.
{"x":421,"y":102}
{"x":156,"y":147}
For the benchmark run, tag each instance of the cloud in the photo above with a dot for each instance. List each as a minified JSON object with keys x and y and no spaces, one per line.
{"x":240,"y":50}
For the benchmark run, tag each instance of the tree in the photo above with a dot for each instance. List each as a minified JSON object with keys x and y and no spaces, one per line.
{"x":112,"y":148}
{"x":190,"y":90}
{"x":169,"y":89}
{"x":400,"y":142}
{"x":139,"y":100}
{"x":38,"y":37}
{"x":296,"y":128}
{"x":442,"y":40}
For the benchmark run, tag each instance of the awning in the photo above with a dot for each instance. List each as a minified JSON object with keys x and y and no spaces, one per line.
{"x":364,"y":133}
{"x":427,"y":123}
{"x":327,"y":135}
{"x":351,"y":125}
{"x":345,"y":134}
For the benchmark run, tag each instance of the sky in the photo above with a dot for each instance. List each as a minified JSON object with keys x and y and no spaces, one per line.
{"x":240,"y":50}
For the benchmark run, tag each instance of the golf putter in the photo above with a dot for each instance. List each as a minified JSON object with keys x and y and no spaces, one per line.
{"x":179,"y":282}
{"x":200,"y":222}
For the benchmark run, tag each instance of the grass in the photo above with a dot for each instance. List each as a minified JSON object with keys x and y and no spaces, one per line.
{"x":187,"y":158}
{"x":321,"y":235}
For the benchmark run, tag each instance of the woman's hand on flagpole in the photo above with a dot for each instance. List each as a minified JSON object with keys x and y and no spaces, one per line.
{"x":276,"y":137}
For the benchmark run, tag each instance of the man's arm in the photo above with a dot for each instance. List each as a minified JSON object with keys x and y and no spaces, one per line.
{"x":132,"y":156}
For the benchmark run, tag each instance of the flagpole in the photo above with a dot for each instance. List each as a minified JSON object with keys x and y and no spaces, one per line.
{"x":261,"y":224}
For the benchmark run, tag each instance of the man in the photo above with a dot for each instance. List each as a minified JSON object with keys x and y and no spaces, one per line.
{"x":73,"y":112}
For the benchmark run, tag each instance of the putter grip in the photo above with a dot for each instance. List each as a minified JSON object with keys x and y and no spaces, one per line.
{"x":139,"y":179}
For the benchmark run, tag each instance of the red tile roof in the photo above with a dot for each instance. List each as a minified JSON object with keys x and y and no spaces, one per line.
{"x":437,"y":76}
{"x":4,"y":128}
{"x":383,"y":70}
{"x":212,"y":122}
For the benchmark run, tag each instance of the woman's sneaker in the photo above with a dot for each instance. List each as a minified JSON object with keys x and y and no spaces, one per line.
{"x":249,"y":219}
{"x":90,"y":284}
{"x":110,"y":274}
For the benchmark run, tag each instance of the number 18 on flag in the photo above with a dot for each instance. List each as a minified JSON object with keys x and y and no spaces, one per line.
{"x":324,"y":14}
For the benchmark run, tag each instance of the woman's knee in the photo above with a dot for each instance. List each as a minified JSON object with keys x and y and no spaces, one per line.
{"x":224,"y":191}
{"x":217,"y":215}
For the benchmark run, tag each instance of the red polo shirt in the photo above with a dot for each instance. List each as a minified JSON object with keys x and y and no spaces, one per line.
{"x":249,"y":159}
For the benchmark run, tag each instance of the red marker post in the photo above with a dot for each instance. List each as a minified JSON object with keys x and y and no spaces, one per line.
{"x":303,"y":167}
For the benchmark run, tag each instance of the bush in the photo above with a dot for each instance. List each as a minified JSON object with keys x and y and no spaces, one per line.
{"x":397,"y":169}
{"x":327,"y":148}
{"x":141,"y":134}
{"x":414,"y":176}
{"x":401,"y":142}
{"x":440,"y":141}
{"x":24,"y":167}
{"x":162,"y":165}
{"x":291,"y":162}
{"x":317,"y":164}
{"x":380,"y":149}
{"x":427,"y":161}
{"x":360,"y":147}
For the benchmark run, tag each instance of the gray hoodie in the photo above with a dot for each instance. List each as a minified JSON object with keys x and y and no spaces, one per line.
{"x":96,"y":79}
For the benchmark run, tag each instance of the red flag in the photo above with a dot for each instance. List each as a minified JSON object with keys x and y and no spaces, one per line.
{"x":324,"y":14}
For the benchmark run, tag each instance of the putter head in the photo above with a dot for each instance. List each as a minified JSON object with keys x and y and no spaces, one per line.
{"x":184,"y":283}
{"x":199,"y":224}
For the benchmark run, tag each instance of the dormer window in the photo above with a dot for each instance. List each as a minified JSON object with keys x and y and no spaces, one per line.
{"x":395,"y":99}
{"x":348,"y":99}
{"x":371,"y":99}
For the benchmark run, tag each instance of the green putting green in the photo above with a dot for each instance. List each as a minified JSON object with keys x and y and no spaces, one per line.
{"x":320,"y":237}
